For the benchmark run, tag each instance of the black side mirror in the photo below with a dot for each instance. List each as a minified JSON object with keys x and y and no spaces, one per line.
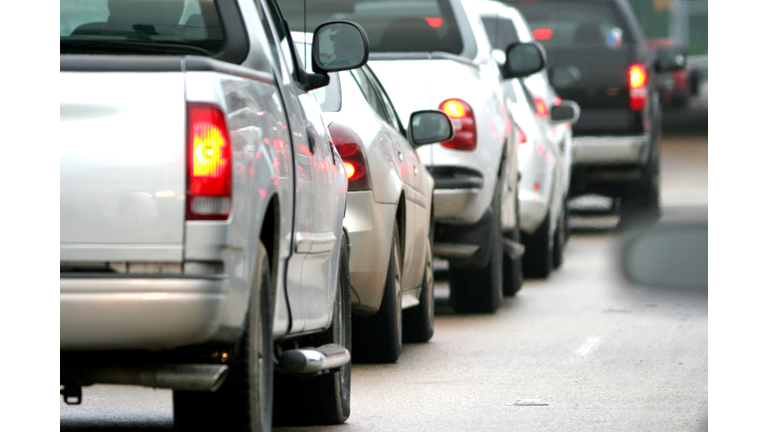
{"x":523,"y":59}
{"x":567,"y":111}
{"x":669,"y":59}
{"x":338,"y":46}
{"x":429,"y":126}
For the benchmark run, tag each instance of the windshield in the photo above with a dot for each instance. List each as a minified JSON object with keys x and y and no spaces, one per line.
{"x":391,"y":26}
{"x":563,"y":24}
{"x":140,"y":26}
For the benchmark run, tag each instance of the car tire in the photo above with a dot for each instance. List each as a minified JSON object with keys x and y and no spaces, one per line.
{"x":379,"y":338}
{"x":539,"y":248}
{"x":419,"y":321}
{"x":244,"y":400}
{"x":559,"y":241}
{"x":322,"y":400}
{"x":513,"y":267}
{"x":480,"y":291}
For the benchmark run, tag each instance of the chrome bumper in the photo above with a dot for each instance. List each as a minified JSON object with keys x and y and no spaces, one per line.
{"x":610,"y":150}
{"x":159,"y":312}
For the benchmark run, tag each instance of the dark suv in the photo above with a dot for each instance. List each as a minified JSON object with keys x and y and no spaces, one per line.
{"x":597,"y":56}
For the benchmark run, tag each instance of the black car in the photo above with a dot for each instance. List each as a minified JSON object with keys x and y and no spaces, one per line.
{"x":597,"y":56}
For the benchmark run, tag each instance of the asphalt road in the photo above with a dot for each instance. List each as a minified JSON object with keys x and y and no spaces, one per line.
{"x":588,"y":350}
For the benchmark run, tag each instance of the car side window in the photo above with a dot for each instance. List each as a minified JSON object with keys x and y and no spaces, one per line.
{"x":369,"y":91}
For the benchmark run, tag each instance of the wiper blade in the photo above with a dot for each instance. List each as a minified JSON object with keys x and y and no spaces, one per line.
{"x":84,"y":46}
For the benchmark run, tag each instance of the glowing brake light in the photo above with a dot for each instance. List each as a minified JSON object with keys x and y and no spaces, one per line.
{"x":638,"y":94}
{"x":210,"y":164}
{"x":542,"y":34}
{"x":349,"y":146}
{"x":541,"y":107}
{"x":463,"y":119}
{"x":434,"y":22}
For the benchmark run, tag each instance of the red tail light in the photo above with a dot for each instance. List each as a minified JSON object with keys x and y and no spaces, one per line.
{"x":541,"y":107}
{"x":542,"y":34}
{"x":638,"y":94}
{"x":465,"y":132}
{"x":210,"y":164}
{"x":349,"y":145}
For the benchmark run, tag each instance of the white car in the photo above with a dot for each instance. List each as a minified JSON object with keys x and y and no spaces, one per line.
{"x":545,"y":162}
{"x":389,"y":211}
{"x":434,"y":54}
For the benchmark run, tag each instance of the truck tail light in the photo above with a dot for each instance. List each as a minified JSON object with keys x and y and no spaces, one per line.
{"x":209,"y":182}
{"x":465,"y":131}
{"x":638,"y":94}
{"x":349,"y":145}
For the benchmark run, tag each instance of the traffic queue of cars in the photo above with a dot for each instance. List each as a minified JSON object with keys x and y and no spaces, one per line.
{"x":241,"y":202}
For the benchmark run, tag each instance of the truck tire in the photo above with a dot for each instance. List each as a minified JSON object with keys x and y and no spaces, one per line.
{"x":480,"y":291}
{"x":322,"y":400}
{"x":643,"y":207}
{"x":244,"y":401}
{"x":419,"y":321}
{"x":538,"y":257}
{"x":513,"y":267}
{"x":559,"y":243}
{"x":379,"y":338}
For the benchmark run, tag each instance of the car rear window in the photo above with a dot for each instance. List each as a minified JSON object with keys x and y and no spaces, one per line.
{"x":501,"y":32}
{"x":140,"y":27}
{"x":391,"y":25}
{"x":566,"y":24}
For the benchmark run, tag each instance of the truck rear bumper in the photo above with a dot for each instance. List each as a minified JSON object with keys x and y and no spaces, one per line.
{"x":604,"y":150}
{"x":105,"y":312}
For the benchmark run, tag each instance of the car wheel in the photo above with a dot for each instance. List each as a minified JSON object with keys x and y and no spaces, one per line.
{"x":379,"y":338}
{"x":513,"y":267}
{"x":537,"y":260}
{"x":479,"y":291}
{"x":419,"y":321}
{"x":244,"y":401}
{"x":559,"y":241}
{"x":322,"y":400}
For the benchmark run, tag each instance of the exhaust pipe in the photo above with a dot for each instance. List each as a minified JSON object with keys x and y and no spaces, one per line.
{"x":313,"y":360}
{"x":189,"y":377}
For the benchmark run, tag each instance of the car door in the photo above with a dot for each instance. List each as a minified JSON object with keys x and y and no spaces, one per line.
{"x":309,"y":275}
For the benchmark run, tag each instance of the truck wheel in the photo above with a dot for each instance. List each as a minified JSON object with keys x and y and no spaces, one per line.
{"x":537,"y":260}
{"x":513,"y":267}
{"x":379,"y":338}
{"x":478,"y":291}
{"x":419,"y":321}
{"x":559,"y":243}
{"x":244,"y":401}
{"x":322,"y":400}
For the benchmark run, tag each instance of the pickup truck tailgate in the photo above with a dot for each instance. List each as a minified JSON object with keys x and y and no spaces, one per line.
{"x":122,"y":164}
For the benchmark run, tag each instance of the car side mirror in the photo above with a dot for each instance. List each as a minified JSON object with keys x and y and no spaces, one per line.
{"x":669,"y":59}
{"x":523,"y":59}
{"x":338,"y":46}
{"x":566,"y":112}
{"x":429,"y":126}
{"x":672,"y":256}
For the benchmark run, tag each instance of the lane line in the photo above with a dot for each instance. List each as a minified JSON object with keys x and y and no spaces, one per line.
{"x":586,"y":348}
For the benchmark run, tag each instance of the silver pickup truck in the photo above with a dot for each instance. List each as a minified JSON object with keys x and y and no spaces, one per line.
{"x":202,"y":247}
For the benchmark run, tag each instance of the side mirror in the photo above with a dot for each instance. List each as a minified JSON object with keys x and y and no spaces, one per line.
{"x":337,"y":46}
{"x":429,"y":126}
{"x":566,"y":112}
{"x":672,"y":256}
{"x":523,"y":59}
{"x":669,"y":59}
{"x":564,"y":76}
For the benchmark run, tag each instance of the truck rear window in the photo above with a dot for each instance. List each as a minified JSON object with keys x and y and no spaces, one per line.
{"x":140,"y":27}
{"x":565,"y":24}
{"x":391,"y":26}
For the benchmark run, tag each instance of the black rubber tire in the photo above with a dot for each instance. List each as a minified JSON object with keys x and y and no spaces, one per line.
{"x":480,"y":291}
{"x":513,"y":267}
{"x":244,"y":401}
{"x":539,"y":248}
{"x":419,"y":321}
{"x":322,"y":400}
{"x":559,"y":241}
{"x":643,"y":208}
{"x":379,"y":338}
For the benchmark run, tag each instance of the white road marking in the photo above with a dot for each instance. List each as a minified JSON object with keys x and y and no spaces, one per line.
{"x":585,"y":349}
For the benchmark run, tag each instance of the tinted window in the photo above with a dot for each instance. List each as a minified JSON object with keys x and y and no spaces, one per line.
{"x":559,"y":24}
{"x":501,"y":32}
{"x":140,"y":26}
{"x":391,"y":25}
